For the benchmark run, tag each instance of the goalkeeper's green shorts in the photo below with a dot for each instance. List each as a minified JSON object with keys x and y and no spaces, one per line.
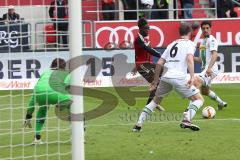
{"x":51,"y":98}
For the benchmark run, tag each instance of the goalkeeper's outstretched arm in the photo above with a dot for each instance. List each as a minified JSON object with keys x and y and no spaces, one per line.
{"x":30,"y":110}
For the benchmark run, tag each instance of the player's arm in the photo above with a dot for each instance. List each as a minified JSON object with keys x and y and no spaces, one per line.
{"x":213,"y":48}
{"x":190,"y":64}
{"x":149,"y":49}
{"x":30,"y":110}
{"x":197,"y":59}
{"x":211,"y":63}
{"x":213,"y":59}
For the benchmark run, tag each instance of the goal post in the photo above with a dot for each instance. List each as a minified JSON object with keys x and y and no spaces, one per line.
{"x":28,"y":47}
{"x":75,"y":33}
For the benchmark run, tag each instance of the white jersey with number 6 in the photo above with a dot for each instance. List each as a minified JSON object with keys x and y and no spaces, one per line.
{"x":176,"y":58}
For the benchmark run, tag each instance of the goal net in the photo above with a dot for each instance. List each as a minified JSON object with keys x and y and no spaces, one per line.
{"x":29,"y":41}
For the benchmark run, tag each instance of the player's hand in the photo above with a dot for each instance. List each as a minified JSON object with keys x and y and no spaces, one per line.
{"x":209,"y":72}
{"x":152,"y":87}
{"x":190,"y":82}
{"x":27,"y":123}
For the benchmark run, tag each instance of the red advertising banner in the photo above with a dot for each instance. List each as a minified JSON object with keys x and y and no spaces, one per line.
{"x":121,"y":34}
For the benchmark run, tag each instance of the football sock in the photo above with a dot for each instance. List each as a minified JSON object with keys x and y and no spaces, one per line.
{"x":148,"y":109}
{"x":190,"y":103}
{"x":151,"y":96}
{"x":186,"y":113}
{"x":192,"y":109}
{"x":214,"y":96}
{"x":41,"y":116}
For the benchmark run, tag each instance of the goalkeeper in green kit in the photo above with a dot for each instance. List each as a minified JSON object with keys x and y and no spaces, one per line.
{"x":49,"y":90}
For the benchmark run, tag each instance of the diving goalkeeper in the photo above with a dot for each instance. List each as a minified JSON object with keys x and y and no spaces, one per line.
{"x":49,"y":90}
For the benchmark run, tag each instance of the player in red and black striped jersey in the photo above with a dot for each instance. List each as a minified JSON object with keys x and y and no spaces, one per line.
{"x":144,"y":55}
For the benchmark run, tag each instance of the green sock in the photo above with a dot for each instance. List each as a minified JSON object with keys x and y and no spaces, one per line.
{"x":41,"y":116}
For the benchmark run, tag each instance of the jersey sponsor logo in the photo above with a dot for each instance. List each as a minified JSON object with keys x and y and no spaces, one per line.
{"x":122,"y":34}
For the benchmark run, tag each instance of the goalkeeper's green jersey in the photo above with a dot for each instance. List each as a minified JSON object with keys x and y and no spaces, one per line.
{"x":51,"y":87}
{"x":56,"y":83}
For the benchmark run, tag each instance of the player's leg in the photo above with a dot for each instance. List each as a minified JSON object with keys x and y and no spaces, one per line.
{"x":147,"y":72}
{"x":162,"y":90}
{"x":210,"y":93}
{"x":196,"y":101}
{"x":61,"y":101}
{"x":62,"y":110}
{"x":40,"y":120}
{"x":150,"y":98}
{"x":204,"y":83}
{"x":42,"y":101}
{"x":147,"y":111}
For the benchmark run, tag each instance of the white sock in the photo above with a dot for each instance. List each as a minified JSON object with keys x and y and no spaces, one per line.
{"x":148,"y":109}
{"x":187,"y":113}
{"x":190,"y":103}
{"x":192,"y":109}
{"x":214,"y":96}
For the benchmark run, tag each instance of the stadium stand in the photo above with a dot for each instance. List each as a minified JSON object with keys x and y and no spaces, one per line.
{"x":90,"y":5}
{"x":41,"y":34}
{"x":199,"y":13}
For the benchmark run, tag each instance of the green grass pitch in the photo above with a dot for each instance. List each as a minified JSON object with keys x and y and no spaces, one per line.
{"x":109,"y":137}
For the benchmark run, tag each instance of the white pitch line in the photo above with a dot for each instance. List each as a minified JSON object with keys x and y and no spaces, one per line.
{"x":159,"y":122}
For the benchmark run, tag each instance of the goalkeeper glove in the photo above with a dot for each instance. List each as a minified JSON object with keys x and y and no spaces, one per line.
{"x":27,"y":122}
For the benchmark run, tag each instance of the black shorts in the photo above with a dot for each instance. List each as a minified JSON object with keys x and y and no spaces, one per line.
{"x":147,"y":71}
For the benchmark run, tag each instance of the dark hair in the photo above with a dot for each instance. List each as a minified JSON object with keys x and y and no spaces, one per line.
{"x":58,"y":63}
{"x":206,"y":23}
{"x":195,"y":25}
{"x":142,"y":22}
{"x":184,"y":29}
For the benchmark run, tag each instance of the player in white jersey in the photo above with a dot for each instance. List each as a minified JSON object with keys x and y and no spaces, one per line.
{"x":207,"y":56}
{"x":176,"y":60}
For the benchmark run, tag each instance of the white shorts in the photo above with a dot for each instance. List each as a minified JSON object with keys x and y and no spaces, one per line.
{"x":208,"y":79}
{"x":166,"y":85}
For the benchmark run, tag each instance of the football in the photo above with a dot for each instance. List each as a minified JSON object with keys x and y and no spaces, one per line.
{"x":208,"y":112}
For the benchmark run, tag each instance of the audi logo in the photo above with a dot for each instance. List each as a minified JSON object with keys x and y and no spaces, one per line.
{"x":114,"y":40}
